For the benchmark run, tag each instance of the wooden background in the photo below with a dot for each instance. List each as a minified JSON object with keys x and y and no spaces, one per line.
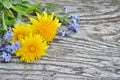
{"x":91,"y":54}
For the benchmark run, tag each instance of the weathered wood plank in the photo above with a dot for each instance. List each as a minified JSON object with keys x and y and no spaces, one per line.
{"x":91,"y":54}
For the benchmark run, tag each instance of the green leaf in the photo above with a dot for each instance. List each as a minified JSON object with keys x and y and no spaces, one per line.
{"x":19,"y":16}
{"x":8,"y":12}
{"x":1,"y":31}
{"x":7,"y":4}
{"x":19,"y":9}
{"x":26,"y":4}
{"x":1,"y":28}
{"x":49,"y":6}
{"x":10,"y":21}
{"x":0,"y":17}
{"x":64,"y":20}
{"x":58,"y":11}
{"x":0,"y":1}
{"x":34,"y":7}
{"x":3,"y":20}
{"x":15,"y":2}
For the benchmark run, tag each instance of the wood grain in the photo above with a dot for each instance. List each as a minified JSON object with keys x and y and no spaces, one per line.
{"x":91,"y":54}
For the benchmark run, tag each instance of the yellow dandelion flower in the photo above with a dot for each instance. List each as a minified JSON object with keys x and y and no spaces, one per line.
{"x":20,"y":31}
{"x":33,"y":48}
{"x":46,"y":26}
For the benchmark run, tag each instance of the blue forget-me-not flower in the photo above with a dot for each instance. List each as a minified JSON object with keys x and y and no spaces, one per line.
{"x":73,"y":27}
{"x":6,"y":57}
{"x":8,"y":36}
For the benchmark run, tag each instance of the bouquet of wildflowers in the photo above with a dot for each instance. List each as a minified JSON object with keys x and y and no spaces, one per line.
{"x":30,"y":40}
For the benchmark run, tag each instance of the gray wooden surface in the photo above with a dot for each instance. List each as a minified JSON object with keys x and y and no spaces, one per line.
{"x":91,"y":54}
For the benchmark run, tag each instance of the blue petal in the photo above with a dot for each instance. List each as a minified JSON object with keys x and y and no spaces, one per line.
{"x":68,"y":32}
{"x":65,"y":10}
{"x":8,"y":36}
{"x":8,"y":48}
{"x":74,"y":21}
{"x":74,"y":27}
{"x":77,"y":17}
{"x":6,"y":57}
{"x":60,"y":35}
{"x":0,"y":42}
{"x":4,"y":54}
{"x":18,"y":21}
{"x":15,"y":46}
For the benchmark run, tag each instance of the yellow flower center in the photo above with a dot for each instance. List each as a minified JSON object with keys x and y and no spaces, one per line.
{"x":20,"y":36}
{"x":32,"y":49}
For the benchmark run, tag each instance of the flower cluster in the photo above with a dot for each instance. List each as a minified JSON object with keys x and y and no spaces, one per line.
{"x":73,"y":26}
{"x":9,"y":50}
{"x":30,"y":41}
{"x":6,"y":48}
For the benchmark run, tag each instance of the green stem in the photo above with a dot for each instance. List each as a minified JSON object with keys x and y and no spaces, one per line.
{"x":3,"y":20}
{"x":10,"y":12}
